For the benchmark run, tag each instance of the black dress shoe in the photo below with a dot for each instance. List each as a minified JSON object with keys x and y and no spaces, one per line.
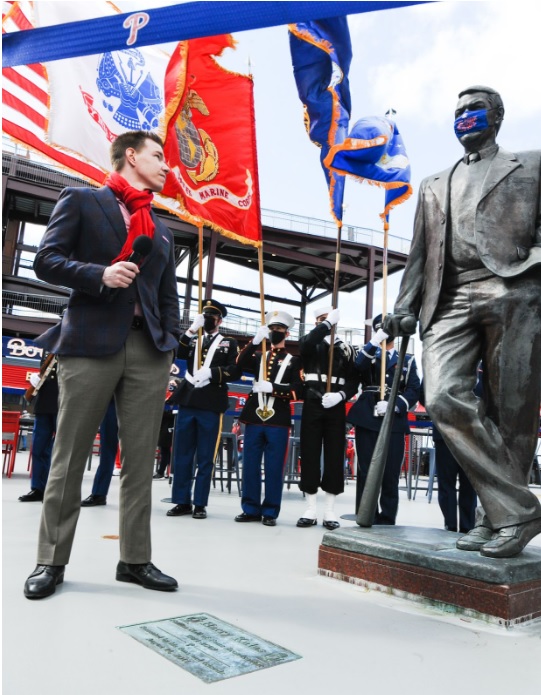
{"x":148,"y":576}
{"x":269,"y":521}
{"x":475,"y":539}
{"x":180,"y":510}
{"x":158,"y":476}
{"x":303,"y":522}
{"x":32,"y":496}
{"x":94,"y":501}
{"x":511,"y":540}
{"x":247,"y":517}
{"x":199,"y":512}
{"x":43,"y":581}
{"x":331,"y":525}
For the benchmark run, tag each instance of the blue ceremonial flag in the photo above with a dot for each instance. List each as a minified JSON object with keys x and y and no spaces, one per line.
{"x":374,"y":152}
{"x":321,"y":56}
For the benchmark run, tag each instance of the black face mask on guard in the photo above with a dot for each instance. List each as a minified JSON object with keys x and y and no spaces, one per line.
{"x":276,"y":337}
{"x":210,"y":323}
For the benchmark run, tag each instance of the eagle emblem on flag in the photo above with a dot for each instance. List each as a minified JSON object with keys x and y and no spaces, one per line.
{"x":129,"y":90}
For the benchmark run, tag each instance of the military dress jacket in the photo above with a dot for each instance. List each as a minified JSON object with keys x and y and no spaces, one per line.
{"x":368,"y":362}
{"x":314,"y":351}
{"x":213,"y":396}
{"x":285,"y":391}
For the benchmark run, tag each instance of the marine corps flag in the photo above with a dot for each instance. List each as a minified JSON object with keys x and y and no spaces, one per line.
{"x":210,"y":141}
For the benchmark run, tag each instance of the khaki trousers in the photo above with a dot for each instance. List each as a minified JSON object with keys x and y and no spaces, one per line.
{"x":137,"y":377}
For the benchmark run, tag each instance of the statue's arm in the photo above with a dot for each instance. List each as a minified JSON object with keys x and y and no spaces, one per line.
{"x":411,"y":288}
{"x":537,"y":239}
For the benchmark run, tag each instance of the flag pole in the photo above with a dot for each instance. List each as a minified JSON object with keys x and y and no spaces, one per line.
{"x":336,"y":287}
{"x":383,"y":370}
{"x":200,"y":293}
{"x":262,"y":308}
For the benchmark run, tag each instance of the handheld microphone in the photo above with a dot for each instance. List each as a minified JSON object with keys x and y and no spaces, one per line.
{"x":142,"y":246}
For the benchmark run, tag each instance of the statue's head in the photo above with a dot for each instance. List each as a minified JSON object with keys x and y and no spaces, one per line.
{"x":478,"y":117}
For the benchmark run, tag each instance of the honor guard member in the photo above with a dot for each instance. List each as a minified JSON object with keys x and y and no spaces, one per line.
{"x":267,"y":416}
{"x":45,"y":408}
{"x":323,"y":420}
{"x":367,"y":414}
{"x":202,"y":400}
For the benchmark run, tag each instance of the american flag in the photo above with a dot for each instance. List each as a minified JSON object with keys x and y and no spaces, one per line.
{"x":25,"y":100}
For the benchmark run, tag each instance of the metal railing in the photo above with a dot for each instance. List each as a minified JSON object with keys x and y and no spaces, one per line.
{"x":17,"y":165}
{"x":32,"y":305}
{"x":29,"y":305}
{"x":310,"y":225}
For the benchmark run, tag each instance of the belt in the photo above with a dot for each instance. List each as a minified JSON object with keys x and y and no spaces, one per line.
{"x":138,"y":323}
{"x":455,"y":280}
{"x":316,"y":377}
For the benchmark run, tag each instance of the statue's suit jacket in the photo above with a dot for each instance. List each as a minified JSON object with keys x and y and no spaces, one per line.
{"x":86,"y":231}
{"x":507,"y":229}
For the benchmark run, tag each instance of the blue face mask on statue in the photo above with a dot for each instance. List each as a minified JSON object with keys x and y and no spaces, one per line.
{"x":471,"y":122}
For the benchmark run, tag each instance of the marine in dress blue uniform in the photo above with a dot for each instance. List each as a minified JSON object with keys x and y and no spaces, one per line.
{"x":202,"y":400}
{"x":367,"y":416}
{"x":267,"y":416}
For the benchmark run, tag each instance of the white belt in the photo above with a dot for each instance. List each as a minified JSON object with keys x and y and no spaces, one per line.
{"x":316,"y":377}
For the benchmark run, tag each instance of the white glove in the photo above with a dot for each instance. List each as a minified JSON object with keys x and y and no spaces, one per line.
{"x":381,"y":408}
{"x":34,"y":379}
{"x":197,"y":323}
{"x":200,"y":384}
{"x":378,"y":337}
{"x":261,"y":333}
{"x":203,"y":374}
{"x":262,"y":387}
{"x":333,"y":316}
{"x":329,"y":400}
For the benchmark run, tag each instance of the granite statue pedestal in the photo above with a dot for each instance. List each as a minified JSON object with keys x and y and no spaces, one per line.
{"x":424,"y":565}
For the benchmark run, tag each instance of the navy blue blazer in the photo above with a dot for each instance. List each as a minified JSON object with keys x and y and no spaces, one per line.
{"x":85,"y":232}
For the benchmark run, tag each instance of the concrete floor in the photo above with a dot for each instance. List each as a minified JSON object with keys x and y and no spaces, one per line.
{"x":263,"y":580}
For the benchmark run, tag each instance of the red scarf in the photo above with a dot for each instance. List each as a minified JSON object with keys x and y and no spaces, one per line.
{"x":138,"y":204}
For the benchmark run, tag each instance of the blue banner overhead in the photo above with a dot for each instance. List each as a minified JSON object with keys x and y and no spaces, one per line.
{"x":167,"y":24}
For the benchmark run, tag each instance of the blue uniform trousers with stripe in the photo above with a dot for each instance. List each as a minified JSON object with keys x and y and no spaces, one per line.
{"x":196,"y":432}
{"x":271,"y":442}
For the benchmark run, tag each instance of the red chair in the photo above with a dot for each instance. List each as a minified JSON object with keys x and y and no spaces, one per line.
{"x":10,"y":439}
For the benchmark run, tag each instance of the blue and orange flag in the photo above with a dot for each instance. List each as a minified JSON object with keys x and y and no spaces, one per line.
{"x":374,"y":152}
{"x":321,"y":56}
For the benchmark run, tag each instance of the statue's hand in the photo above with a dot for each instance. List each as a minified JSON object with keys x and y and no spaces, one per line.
{"x":400,"y":324}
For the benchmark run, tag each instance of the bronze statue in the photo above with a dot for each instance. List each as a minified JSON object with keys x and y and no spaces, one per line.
{"x":473,"y":279}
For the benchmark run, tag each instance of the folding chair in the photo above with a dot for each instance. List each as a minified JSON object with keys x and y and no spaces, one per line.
{"x":10,"y":439}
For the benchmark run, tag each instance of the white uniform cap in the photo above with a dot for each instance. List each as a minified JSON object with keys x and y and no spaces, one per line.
{"x":322,"y":310}
{"x":281,"y":317}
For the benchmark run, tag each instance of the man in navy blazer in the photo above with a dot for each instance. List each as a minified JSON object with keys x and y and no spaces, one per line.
{"x":472,"y":279}
{"x":117,"y":338}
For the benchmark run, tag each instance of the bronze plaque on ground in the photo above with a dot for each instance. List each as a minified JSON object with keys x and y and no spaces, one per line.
{"x":208,"y":647}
